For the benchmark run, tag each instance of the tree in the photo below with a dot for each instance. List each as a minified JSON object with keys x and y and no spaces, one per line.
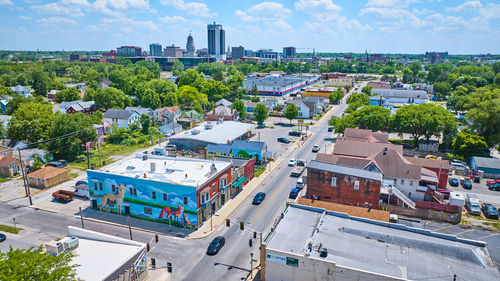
{"x":442,"y":89}
{"x":336,"y":96}
{"x":150,"y":99}
{"x":177,"y":68}
{"x":188,"y":94}
{"x":170,"y":99}
{"x":372,"y":117}
{"x":145,"y":123}
{"x":408,"y":75}
{"x":5,"y":91}
{"x":260,"y":113}
{"x":31,"y":122}
{"x":193,"y":78}
{"x":415,"y":68}
{"x":40,"y":81}
{"x":239,"y":106}
{"x":79,"y":130}
{"x":216,"y":90}
{"x":196,"y":106}
{"x":255,"y":91}
{"x":356,"y":101}
{"x":423,"y":120}
{"x":291,"y":112}
{"x":111,"y":98}
{"x":468,"y":145}
{"x":367,"y":90}
{"x":218,"y":76}
{"x":484,"y":114}
{"x":36,"y":264}
{"x":118,"y":135}
{"x":339,"y":124}
{"x":69,"y":94}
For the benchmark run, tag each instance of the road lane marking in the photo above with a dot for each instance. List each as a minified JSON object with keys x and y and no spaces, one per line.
{"x":267,"y":202}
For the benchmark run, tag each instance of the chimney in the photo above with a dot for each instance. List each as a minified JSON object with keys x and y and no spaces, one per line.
{"x":186,"y":176}
{"x":144,"y":175}
{"x":152,"y":166}
{"x":385,"y":151}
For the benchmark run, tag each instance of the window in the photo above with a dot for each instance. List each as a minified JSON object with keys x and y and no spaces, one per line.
{"x":213,"y":188}
{"x":164,"y":197}
{"x":113,"y":188}
{"x":153,"y":194}
{"x":402,"y":181}
{"x":411,"y":182}
{"x":356,"y":185}
{"x":133,"y":191}
{"x":395,"y":181}
{"x":334,"y":182}
{"x":148,"y":211}
{"x":203,"y":198}
{"x":222,"y":183}
{"x":185,"y":200}
{"x":95,"y":185}
{"x":100,"y":186}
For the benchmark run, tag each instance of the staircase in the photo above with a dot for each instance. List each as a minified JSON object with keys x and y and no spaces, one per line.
{"x":402,"y":197}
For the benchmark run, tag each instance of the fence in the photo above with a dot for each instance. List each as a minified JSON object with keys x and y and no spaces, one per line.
{"x":427,"y":214}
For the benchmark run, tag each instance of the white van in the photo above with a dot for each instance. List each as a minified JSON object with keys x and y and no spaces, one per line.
{"x":299,"y":185}
{"x":82,"y":189}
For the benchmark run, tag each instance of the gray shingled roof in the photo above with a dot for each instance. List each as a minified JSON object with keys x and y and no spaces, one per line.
{"x":117,"y":114}
{"x":392,"y":93}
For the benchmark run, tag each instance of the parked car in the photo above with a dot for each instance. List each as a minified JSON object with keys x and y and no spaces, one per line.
{"x":493,"y":184}
{"x":446,"y":193}
{"x":301,"y":162}
{"x":466,"y":183}
{"x":63,"y":195}
{"x":2,"y":237}
{"x":315,"y":148}
{"x":261,"y":126}
{"x":472,"y":204}
{"x":453,"y":181}
{"x":330,"y":129}
{"x":433,"y":157}
{"x":58,"y":164}
{"x":295,"y":133}
{"x":216,"y":245}
{"x":459,"y":166}
{"x":300,"y":184}
{"x":292,"y":162}
{"x":407,"y":145}
{"x":490,"y":211}
{"x":283,"y":140}
{"x":259,"y":197}
{"x":180,"y":234}
{"x":294,"y":193}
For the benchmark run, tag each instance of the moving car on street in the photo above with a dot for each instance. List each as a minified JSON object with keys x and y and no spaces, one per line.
{"x":315,"y":148}
{"x":490,"y":211}
{"x":259,"y":197}
{"x":216,"y":245}
{"x":330,"y":129}
{"x":2,"y":237}
{"x":294,"y":193}
{"x":292,"y":162}
{"x":283,"y":140}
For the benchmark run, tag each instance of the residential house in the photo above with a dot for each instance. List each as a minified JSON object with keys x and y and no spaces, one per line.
{"x":4,"y":120}
{"x":191,"y":116}
{"x":323,"y":102}
{"x":315,"y":106}
{"x":216,"y":150}
{"x":307,"y":109}
{"x":72,"y":107}
{"x":21,"y":90}
{"x":9,"y":166}
{"x":269,"y":103}
{"x":122,"y":118}
{"x":5,"y":151}
{"x":13,"y":144}
{"x":440,"y":167}
{"x":242,"y":171}
{"x":52,"y":94}
{"x":224,"y":102}
{"x":222,"y":112}
{"x":170,"y":129}
{"x":250,"y":105}
{"x":165,"y":115}
{"x":3,"y":105}
{"x":34,"y":154}
{"x":396,"y":98}
{"x":47,"y":176}
{"x":141,"y":110}
{"x":343,"y":185}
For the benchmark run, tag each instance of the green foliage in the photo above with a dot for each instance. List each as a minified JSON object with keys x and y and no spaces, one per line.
{"x":40,"y":82}
{"x":468,"y":145}
{"x":111,"y":98}
{"x":216,"y":90}
{"x":218,"y":76}
{"x":260,"y":113}
{"x":408,"y":75}
{"x":188,"y":94}
{"x":36,"y":264}
{"x":239,"y":106}
{"x":339,"y":124}
{"x":150,"y":99}
{"x":484,"y":114}
{"x":367,"y":90}
{"x":69,"y":94}
{"x":79,"y":130}
{"x":145,"y":123}
{"x":336,"y":96}
{"x":5,"y":91}
{"x":17,"y":100}
{"x":192,"y":78}
{"x":291,"y":112}
{"x":356,"y":101}
{"x":196,"y":106}
{"x":117,"y":135}
{"x":31,"y":121}
{"x":423,"y":120}
{"x":211,"y":68}
{"x":442,"y":89}
{"x":177,"y":68}
{"x":371,"y":117}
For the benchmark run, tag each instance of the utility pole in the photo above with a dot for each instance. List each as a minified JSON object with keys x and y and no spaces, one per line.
{"x":99,"y":149}
{"x":251,"y":265}
{"x":88,"y":159}
{"x":81,"y":217}
{"x":26,"y":187}
{"x":130,"y":228}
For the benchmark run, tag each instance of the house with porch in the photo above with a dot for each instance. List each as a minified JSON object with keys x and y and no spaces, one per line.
{"x":141,"y":110}
{"x":222,"y":112}
{"x":120,"y":118}
{"x":166,"y":115}
{"x":22,"y":90}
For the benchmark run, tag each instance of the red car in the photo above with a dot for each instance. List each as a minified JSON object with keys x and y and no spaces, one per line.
{"x":446,"y":193}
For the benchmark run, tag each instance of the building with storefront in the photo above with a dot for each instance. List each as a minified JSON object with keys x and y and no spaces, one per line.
{"x":181,"y":191}
{"x":273,"y":85}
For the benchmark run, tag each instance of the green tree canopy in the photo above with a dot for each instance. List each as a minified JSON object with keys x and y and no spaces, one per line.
{"x":69,"y":94}
{"x":367,"y":90}
{"x":336,"y":96}
{"x":468,"y":145}
{"x":145,"y":122}
{"x":291,"y":112}
{"x":442,"y":89}
{"x":36,"y":264}
{"x":192,"y":78}
{"x":239,"y":106}
{"x":150,"y":99}
{"x":216,"y":90}
{"x":371,"y":117}
{"x":40,"y":81}
{"x":31,"y":122}
{"x":484,"y":114}
{"x":111,"y":98}
{"x":260,"y":113}
{"x":177,"y":68}
{"x":339,"y":124}
{"x":188,"y":94}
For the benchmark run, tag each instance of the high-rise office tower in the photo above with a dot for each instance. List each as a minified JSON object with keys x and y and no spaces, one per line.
{"x":216,"y":40}
{"x":155,"y":50}
{"x":289,"y":52}
{"x":190,"y":50}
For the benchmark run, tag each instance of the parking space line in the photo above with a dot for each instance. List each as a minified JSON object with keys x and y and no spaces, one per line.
{"x":441,"y":228}
{"x":468,"y":230}
{"x":488,"y":236}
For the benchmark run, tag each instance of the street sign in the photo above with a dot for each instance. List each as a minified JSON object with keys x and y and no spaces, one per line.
{"x":254,"y":260}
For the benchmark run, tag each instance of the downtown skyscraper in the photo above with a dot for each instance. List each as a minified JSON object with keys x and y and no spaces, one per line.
{"x":216,"y":41}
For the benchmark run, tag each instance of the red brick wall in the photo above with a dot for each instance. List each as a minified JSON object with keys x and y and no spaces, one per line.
{"x":249,"y":170}
{"x":215,"y":180}
{"x":443,"y":178}
{"x":319,"y":184}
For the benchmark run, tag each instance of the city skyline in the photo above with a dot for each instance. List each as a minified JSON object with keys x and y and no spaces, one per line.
{"x":379,"y":26}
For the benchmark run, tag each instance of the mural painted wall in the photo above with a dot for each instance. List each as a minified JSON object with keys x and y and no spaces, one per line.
{"x":149,"y":200}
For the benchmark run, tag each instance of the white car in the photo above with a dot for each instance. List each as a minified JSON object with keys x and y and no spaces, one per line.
{"x":292,"y":162}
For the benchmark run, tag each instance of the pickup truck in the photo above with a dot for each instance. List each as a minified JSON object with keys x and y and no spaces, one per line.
{"x":63,"y":195}
{"x":297,"y":171}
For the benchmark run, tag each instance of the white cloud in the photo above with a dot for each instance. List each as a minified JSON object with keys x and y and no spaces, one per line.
{"x":389,"y":3}
{"x":58,"y":9}
{"x":468,"y":5}
{"x":115,"y":7}
{"x":130,"y":23}
{"x":56,"y":20}
{"x":317,"y":6}
{"x":491,"y":11}
{"x":192,"y":8}
{"x":6,"y":2}
{"x":84,"y":3}
{"x":173,"y":19}
{"x":272,"y":14}
{"x":25,"y":18}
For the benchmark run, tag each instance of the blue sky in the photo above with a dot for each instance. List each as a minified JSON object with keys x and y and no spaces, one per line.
{"x":386,"y":26}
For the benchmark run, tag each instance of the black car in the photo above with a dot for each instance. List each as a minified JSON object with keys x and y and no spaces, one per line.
{"x":81,"y":182}
{"x":283,"y":140}
{"x":330,"y":129}
{"x":259,"y":197}
{"x":490,"y":211}
{"x":216,"y":245}
{"x":295,"y":133}
{"x":466,"y":184}
{"x":2,"y":237}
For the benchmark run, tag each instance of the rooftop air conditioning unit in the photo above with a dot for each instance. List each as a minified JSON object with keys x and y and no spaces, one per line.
{"x":70,"y":242}
{"x":54,"y":248}
{"x":195,"y":132}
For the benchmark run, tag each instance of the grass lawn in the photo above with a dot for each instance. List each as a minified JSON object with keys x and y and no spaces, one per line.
{"x":259,"y":171}
{"x":472,"y":220}
{"x":73,"y":175}
{"x":2,"y":180}
{"x":10,"y":229}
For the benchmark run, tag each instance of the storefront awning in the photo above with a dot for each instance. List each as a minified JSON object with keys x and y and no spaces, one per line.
{"x":237,"y":183}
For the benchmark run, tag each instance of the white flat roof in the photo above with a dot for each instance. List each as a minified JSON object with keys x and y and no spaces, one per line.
{"x":100,"y":255}
{"x":222,"y":132}
{"x":177,"y":170}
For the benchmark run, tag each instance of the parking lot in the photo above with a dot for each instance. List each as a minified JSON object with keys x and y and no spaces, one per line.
{"x":485,"y":195}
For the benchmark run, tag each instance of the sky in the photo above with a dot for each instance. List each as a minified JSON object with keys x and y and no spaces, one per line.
{"x":378,"y":26}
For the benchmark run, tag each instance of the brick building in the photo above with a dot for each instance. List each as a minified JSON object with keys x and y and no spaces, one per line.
{"x":343,"y":185}
{"x":440,"y":167}
{"x":47,"y":176}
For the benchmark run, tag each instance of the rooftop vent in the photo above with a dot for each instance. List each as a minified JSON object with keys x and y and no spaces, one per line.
{"x":385,"y":151}
{"x":194,"y":132}
{"x":324,"y":253}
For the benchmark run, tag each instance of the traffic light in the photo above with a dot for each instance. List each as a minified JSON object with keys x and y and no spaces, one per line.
{"x":228,"y":222}
{"x":157,"y":237}
{"x":242,"y":225}
{"x":147,"y":247}
{"x":250,"y":242}
{"x":254,"y":234}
